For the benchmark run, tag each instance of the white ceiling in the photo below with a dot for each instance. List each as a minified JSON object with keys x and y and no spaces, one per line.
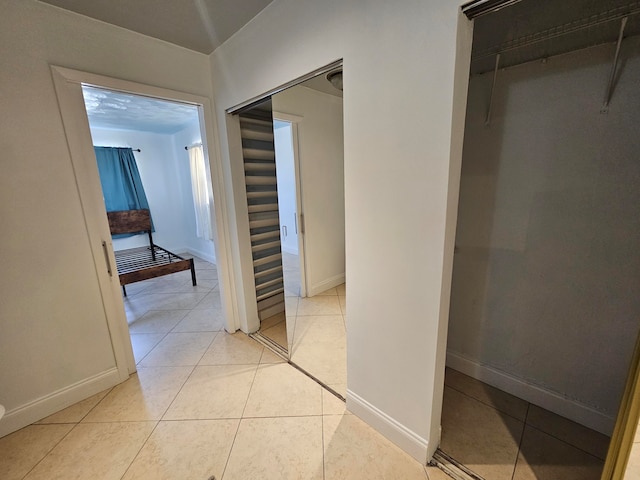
{"x":543,"y":27}
{"x":200,"y":25}
{"x":107,"y":109}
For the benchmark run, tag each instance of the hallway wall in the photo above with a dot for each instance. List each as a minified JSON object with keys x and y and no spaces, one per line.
{"x":545,"y":288}
{"x":54,"y":340}
{"x":321,"y":150}
{"x":406,"y":60}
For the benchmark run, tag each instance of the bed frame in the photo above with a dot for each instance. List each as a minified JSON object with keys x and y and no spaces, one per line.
{"x":143,"y":263}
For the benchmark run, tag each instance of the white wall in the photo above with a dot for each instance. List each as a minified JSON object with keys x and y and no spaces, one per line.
{"x":53,"y":333}
{"x":187,"y":137}
{"x":286,"y":176}
{"x":547,"y":269}
{"x":321,"y":155}
{"x":405,"y":80}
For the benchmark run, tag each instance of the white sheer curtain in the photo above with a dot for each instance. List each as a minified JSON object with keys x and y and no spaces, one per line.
{"x":202,"y":198}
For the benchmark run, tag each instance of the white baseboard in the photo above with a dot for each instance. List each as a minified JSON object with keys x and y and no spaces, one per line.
{"x":42,"y":407}
{"x":535,"y":394}
{"x":207,"y":257}
{"x":325,"y":285}
{"x":406,"y":439}
{"x":292,"y":251}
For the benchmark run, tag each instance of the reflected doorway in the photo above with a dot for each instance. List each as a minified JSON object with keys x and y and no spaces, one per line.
{"x":293,"y":155}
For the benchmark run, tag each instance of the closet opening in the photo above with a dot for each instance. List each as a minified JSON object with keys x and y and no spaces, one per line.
{"x":151,"y":161}
{"x":292,"y":155}
{"x":544,"y":304}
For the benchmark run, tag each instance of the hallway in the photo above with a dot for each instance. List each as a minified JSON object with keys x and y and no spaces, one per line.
{"x":203,"y":403}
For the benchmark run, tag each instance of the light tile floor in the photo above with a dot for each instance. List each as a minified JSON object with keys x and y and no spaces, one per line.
{"x":203,"y":403}
{"x":316,"y":329}
{"x":501,"y":437}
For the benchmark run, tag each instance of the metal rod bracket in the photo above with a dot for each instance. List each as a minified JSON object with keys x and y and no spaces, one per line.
{"x":487,"y":120}
{"x":614,"y":66}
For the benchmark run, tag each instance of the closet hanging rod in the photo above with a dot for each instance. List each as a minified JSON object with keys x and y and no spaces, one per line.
{"x":132,"y":149}
{"x":554,"y":32}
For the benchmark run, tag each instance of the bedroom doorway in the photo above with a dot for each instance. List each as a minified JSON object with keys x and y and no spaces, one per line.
{"x":173,"y":316}
{"x":170,"y":332}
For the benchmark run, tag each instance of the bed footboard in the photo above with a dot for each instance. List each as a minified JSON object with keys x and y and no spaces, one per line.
{"x":143,"y":263}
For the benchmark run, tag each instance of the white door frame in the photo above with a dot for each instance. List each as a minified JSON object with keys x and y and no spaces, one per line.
{"x":68,"y":85}
{"x":294,"y":120}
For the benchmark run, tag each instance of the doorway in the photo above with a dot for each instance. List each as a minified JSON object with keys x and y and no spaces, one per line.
{"x":546,"y":201}
{"x":287,"y":168}
{"x":169,"y":317}
{"x":312,"y":334}
{"x":69,"y":84}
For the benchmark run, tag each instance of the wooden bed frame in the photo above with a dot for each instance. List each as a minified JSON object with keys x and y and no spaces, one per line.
{"x":143,"y":263}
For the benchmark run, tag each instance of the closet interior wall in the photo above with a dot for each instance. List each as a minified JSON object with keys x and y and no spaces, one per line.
{"x":544,"y":299}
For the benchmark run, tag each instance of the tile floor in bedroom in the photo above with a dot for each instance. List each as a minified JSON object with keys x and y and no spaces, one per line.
{"x":203,"y":403}
{"x":502,"y":437}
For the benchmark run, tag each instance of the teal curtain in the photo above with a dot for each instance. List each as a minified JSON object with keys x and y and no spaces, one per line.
{"x":121,"y":184}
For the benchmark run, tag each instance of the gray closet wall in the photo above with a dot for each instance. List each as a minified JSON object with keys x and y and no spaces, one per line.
{"x":547,"y":269}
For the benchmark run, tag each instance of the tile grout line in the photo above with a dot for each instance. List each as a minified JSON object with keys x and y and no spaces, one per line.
{"x":322,"y":411}
{"x":51,"y":449}
{"x":193,"y":369}
{"x":133,"y":321}
{"x":322,"y":432}
{"x":224,"y":470}
{"x":157,"y":422}
{"x":206,"y":349}
{"x":253,"y":381}
{"x":139,"y":364}
{"x":188,"y":310}
{"x":564,"y":441}
{"x":96,"y":405}
{"x":140,"y":449}
{"x":523,"y":420}
{"x":226,"y":463}
{"x":524,"y":427}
